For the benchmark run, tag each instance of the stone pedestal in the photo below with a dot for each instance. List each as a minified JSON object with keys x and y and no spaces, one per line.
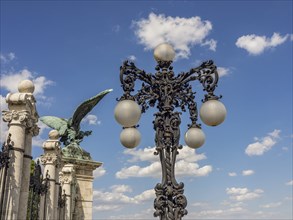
{"x":67,"y":180}
{"x":22,"y":117}
{"x":84,"y":186}
{"x":51,"y":160}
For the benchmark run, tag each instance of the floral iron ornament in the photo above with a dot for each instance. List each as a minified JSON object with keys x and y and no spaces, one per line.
{"x":168,"y":92}
{"x":69,"y":129}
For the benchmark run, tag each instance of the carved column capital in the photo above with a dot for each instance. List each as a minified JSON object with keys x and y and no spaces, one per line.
{"x":22,"y":110}
{"x":15,"y":117}
{"x":67,"y":175}
{"x":34,"y":130}
{"x":52,"y":151}
{"x":49,"y":158}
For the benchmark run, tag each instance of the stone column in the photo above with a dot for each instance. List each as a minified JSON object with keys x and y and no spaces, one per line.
{"x":51,"y":161}
{"x":21,"y":115}
{"x":67,"y":180}
{"x":32,"y":130}
{"x":84,"y":187}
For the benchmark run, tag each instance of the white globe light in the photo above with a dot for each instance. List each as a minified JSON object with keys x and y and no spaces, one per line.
{"x":130,"y":137}
{"x":164,"y":52}
{"x":212,"y":112}
{"x":127,"y":113}
{"x":194,"y":138}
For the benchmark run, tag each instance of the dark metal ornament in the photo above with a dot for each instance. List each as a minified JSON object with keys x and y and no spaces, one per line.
{"x":4,"y":165}
{"x":168,"y":92}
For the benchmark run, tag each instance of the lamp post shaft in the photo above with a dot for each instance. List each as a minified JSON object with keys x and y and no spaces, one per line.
{"x":170,"y":202}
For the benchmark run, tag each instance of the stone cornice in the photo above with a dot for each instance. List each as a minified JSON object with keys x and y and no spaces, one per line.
{"x":85,"y":164}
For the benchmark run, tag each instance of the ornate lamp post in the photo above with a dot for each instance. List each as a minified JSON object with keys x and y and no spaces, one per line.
{"x":168,"y":91}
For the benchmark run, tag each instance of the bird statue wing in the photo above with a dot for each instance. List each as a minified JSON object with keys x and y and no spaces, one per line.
{"x":59,"y":124}
{"x":83,"y":109}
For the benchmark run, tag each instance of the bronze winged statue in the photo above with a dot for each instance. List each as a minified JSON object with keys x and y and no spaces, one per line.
{"x":69,"y":129}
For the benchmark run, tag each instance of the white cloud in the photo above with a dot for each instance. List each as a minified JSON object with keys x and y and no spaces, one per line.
{"x":232,"y":174}
{"x":117,"y":197}
{"x":211,"y":43}
{"x":144,"y":214}
{"x":241,"y":194}
{"x":99,"y":172}
{"x":91,"y":119}
{"x":11,"y":80}
{"x":185,"y":166}
{"x":222,"y":71}
{"x":290,"y":183}
{"x":6,"y":58}
{"x":116,"y":28}
{"x":121,"y":188}
{"x":230,"y":213}
{"x":285,"y":148}
{"x":256,"y":45}
{"x":182,"y":33}
{"x":262,"y":145}
{"x":271,"y":205}
{"x":100,"y":208}
{"x":38,"y":140}
{"x":199,"y":204}
{"x":145,"y":154}
{"x":247,"y":172}
{"x":153,"y":170}
{"x":131,"y":58}
{"x":3,"y":125}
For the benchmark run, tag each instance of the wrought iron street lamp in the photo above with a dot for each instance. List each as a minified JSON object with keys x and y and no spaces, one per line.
{"x":168,"y":92}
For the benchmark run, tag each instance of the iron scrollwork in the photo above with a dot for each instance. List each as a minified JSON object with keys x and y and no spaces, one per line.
{"x":38,"y":187}
{"x":4,"y":165}
{"x":168,"y":91}
{"x":4,"y":154}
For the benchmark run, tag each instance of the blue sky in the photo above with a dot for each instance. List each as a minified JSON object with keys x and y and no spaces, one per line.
{"x":72,"y":50}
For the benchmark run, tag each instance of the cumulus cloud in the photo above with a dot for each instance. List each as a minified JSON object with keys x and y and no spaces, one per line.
{"x":6,"y":58}
{"x":232,"y":174}
{"x":11,"y":80}
{"x":241,"y":194}
{"x":263,"y":145}
{"x":186,"y":164}
{"x":3,"y":125}
{"x":182,"y":33}
{"x":256,"y":45}
{"x":38,"y":140}
{"x":91,"y":119}
{"x":247,"y":172}
{"x":211,"y":43}
{"x":222,"y":71}
{"x":131,"y":58}
{"x":271,"y":205}
{"x":99,"y":172}
{"x":117,"y":198}
{"x":100,"y":208}
{"x":290,"y":183}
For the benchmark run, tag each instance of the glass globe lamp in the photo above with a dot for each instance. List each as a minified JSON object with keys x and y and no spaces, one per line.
{"x":127,"y":113}
{"x":164,"y":52}
{"x":212,"y":112}
{"x":194,"y":137}
{"x":130,"y":137}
